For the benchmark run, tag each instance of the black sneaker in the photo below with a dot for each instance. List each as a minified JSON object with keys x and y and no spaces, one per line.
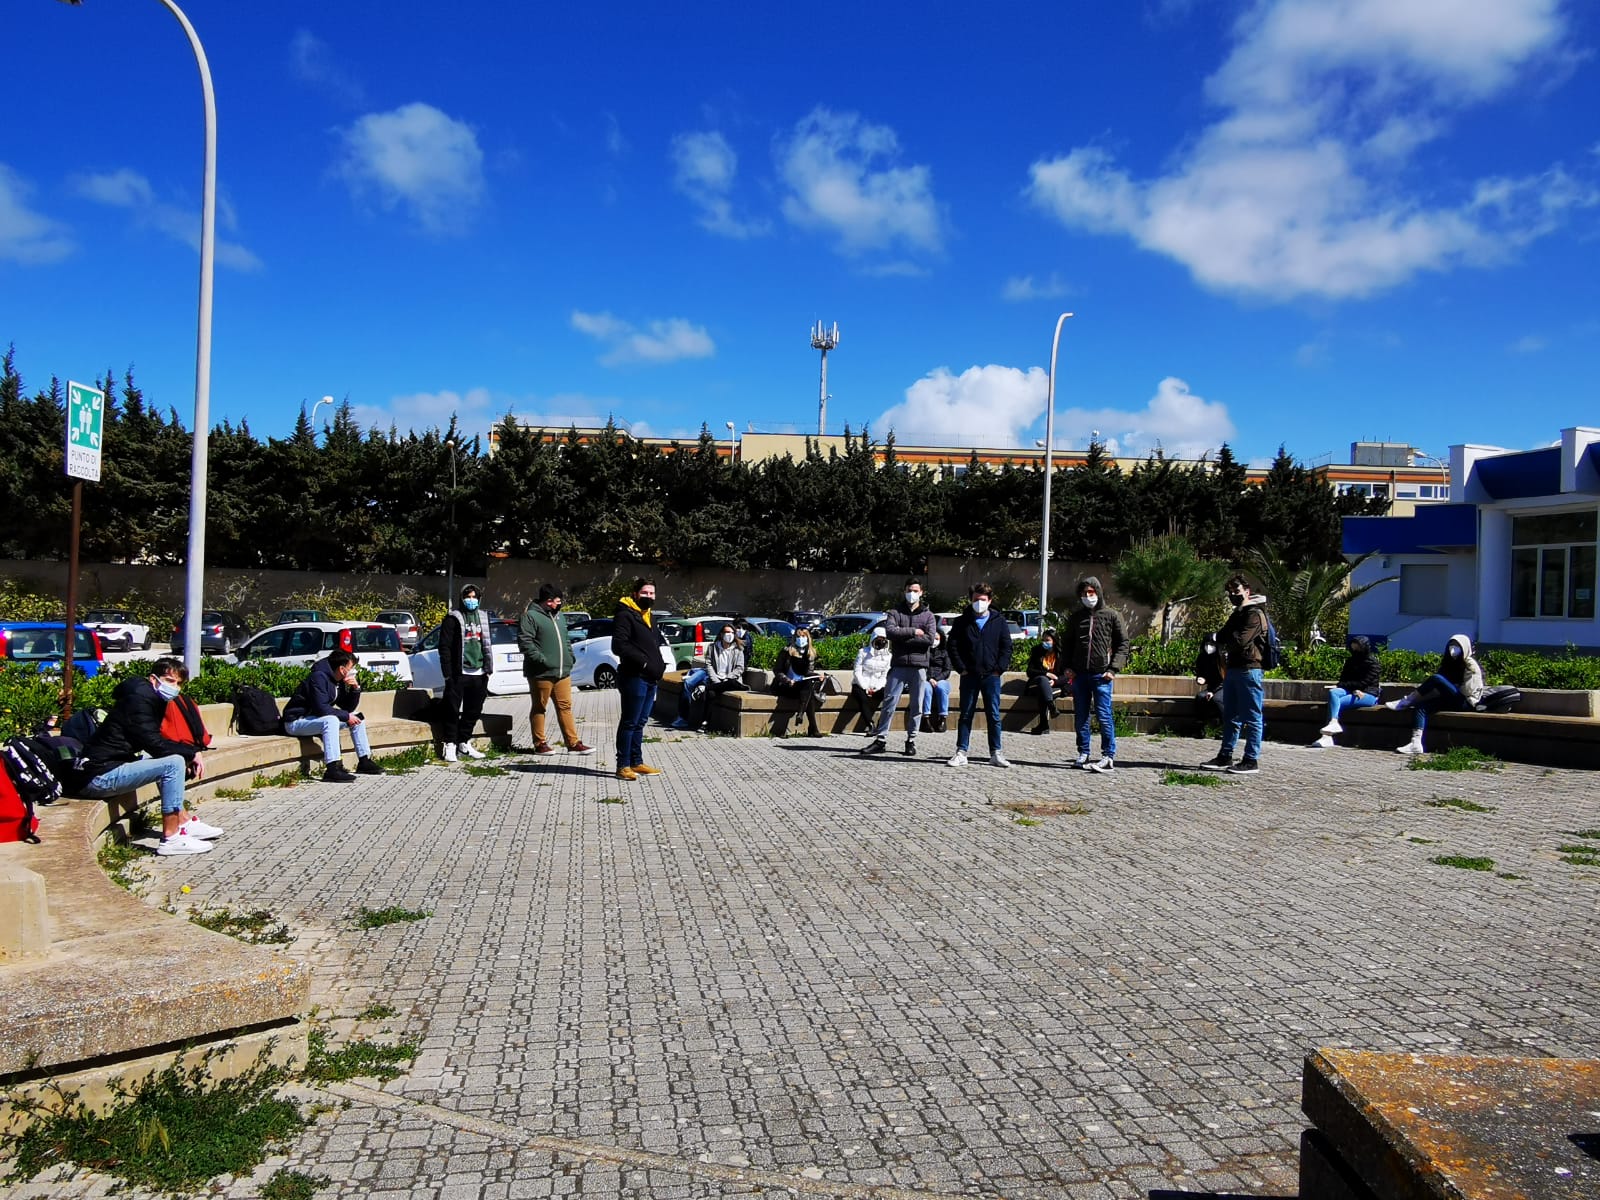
{"x":1220,"y":763}
{"x":337,"y":772}
{"x":1245,"y":766}
{"x":365,"y":766}
{"x":876,"y":746}
{"x":911,"y":750}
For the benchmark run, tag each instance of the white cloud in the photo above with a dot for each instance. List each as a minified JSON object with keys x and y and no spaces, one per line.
{"x":661,"y":341}
{"x":1298,"y":187}
{"x":126,"y":188}
{"x":843,"y":179}
{"x":704,"y":169}
{"x":26,"y":236}
{"x":1529,"y":344}
{"x":1024,"y":287}
{"x":474,"y":409}
{"x":311,"y":61}
{"x":418,"y":159}
{"x":1174,"y":421}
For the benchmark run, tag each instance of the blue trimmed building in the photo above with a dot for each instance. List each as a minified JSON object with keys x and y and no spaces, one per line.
{"x":1512,"y":562}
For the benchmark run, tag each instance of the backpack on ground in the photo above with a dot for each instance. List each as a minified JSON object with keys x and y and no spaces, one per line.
{"x":63,"y":755}
{"x":30,"y":774}
{"x":255,"y":712}
{"x":1272,"y":652}
{"x":1498,"y":699}
{"x":17,"y":822}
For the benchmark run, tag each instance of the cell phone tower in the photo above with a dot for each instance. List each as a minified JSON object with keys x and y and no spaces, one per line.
{"x":824,"y":340}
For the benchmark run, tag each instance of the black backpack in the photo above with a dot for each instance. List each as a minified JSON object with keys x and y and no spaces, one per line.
{"x":82,"y":724}
{"x":1272,"y":652}
{"x":255,"y":712}
{"x":30,"y":774}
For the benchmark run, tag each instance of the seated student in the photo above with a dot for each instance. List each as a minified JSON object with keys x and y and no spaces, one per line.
{"x":723,"y":672}
{"x":1208,"y":675}
{"x":1047,"y":679}
{"x":1456,"y":687}
{"x":936,"y":696}
{"x":1357,"y":687}
{"x":320,"y":705}
{"x":795,"y":674}
{"x":112,"y":761}
{"x":871,"y":675}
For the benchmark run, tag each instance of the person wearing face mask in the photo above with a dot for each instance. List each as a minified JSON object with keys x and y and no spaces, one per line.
{"x":723,"y":672}
{"x":870,"y":676}
{"x":464,"y":649}
{"x":1095,"y":648}
{"x":324,"y":703}
{"x":980,"y":652}
{"x":1208,"y":675}
{"x":1357,"y":688}
{"x":795,"y":675}
{"x":1243,"y":643}
{"x":1454,"y":687}
{"x":936,"y":696}
{"x":912,"y":630}
{"x":547,"y":662}
{"x":1046,"y":672}
{"x":637,"y":643}
{"x":112,"y":761}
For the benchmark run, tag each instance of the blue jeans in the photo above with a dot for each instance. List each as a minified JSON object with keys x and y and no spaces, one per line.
{"x":1093,"y":692}
{"x":691,"y":680}
{"x":327,"y":728}
{"x":936,"y":697}
{"x":168,"y":772}
{"x":1339,"y":700}
{"x":1242,"y":693}
{"x":900,"y":678}
{"x":638,"y":699}
{"x":1435,"y":694}
{"x":971,"y":687}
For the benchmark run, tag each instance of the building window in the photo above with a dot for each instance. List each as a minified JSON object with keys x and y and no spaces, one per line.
{"x":1553,"y":565}
{"x":1362,"y":489}
{"x":1424,"y":589}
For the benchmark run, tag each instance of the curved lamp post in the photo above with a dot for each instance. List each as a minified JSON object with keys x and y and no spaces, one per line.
{"x":1049,"y":443}
{"x":450,"y":551}
{"x":328,"y":400}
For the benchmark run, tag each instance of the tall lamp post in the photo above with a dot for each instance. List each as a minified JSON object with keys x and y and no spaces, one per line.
{"x":325,"y":400}
{"x":450,"y":557}
{"x":1049,"y":444}
{"x":733,"y":443}
{"x":194,"y":587}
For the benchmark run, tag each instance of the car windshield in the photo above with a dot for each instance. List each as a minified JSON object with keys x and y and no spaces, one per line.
{"x":104,"y":614}
{"x":34,"y":645}
{"x":372,"y":637}
{"x":396,"y":618}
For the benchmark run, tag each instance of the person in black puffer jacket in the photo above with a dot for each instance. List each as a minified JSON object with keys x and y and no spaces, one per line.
{"x":936,"y":696}
{"x":637,"y":644}
{"x":1358,"y":686}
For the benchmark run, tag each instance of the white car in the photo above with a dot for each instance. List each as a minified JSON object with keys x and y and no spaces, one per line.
{"x":506,"y":677}
{"x":117,"y":630}
{"x":593,"y":664}
{"x":376,"y":647}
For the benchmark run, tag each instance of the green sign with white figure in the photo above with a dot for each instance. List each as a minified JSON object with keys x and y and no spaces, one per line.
{"x":86,"y":424}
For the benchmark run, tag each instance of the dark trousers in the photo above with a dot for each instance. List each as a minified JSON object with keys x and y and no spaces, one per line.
{"x":464,"y":696}
{"x":638,"y":700}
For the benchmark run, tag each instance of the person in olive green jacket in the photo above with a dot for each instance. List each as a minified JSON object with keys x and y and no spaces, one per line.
{"x":547,"y":662}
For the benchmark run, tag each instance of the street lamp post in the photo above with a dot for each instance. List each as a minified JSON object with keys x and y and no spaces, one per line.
{"x":1049,"y":444}
{"x":325,"y":400}
{"x":194,"y":587}
{"x":450,"y":554}
{"x":733,"y":443}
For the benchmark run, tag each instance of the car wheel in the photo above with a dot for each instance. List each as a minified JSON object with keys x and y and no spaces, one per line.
{"x":605,"y":676}
{"x":146,"y":645}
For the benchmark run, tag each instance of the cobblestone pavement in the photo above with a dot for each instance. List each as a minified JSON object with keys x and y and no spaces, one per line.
{"x":781,"y":968}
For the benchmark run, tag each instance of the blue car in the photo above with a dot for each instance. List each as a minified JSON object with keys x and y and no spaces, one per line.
{"x":44,"y":643}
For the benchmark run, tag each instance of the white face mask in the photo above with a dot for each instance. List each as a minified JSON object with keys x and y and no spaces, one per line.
{"x":1090,"y":601}
{"x":727,"y":639}
{"x":980,"y":607}
{"x":913,"y":598}
{"x":166,"y":690}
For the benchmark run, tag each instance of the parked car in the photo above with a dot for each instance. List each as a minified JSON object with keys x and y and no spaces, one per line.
{"x":505,"y":660}
{"x":45,"y":643}
{"x":846,"y":624}
{"x":376,"y":647}
{"x":117,"y":629}
{"x":220,"y":631}
{"x":808,"y":618}
{"x":1031,"y":621}
{"x":771,"y":627}
{"x":405,"y":624}
{"x":574,"y":617}
{"x":689,"y":637}
{"x":593,"y":664}
{"x":593,"y":627}
{"x":293,"y":616}
{"x":946,"y":620}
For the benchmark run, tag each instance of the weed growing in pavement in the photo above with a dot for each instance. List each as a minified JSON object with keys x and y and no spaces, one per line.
{"x":1580,"y":855}
{"x":403,"y":762}
{"x":1463,"y":862}
{"x":1190,"y":779}
{"x":170,"y":1131}
{"x":288,"y":778}
{"x":1026,"y":822}
{"x":481,"y":771}
{"x":612,"y":800}
{"x":120,"y":861}
{"x":1458,"y":802}
{"x":1046,"y":808}
{"x":1508,"y":875}
{"x":656,"y":738}
{"x":1211,"y":733}
{"x":377,"y":918}
{"x":1592,"y":834}
{"x":1457,"y":758}
{"x":1422,"y":841}
{"x":292,"y":1185}
{"x":376,"y":1011}
{"x":357,"y":1058}
{"x":234,"y":793}
{"x":1123,"y":721}
{"x":259,"y":928}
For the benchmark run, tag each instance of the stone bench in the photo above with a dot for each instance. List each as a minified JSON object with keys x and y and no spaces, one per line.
{"x":1449,"y":1127}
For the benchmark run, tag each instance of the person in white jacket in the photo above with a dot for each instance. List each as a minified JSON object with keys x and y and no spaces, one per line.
{"x":871,"y":674}
{"x":1454,"y":687}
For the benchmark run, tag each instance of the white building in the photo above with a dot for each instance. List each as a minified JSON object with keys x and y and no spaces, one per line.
{"x":1510,"y":563}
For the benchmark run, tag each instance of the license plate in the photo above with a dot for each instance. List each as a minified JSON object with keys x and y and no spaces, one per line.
{"x":514,"y":660}
{"x":385,"y":666}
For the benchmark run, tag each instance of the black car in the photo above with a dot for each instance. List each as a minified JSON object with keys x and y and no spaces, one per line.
{"x":220,"y":631}
{"x":805,"y":618}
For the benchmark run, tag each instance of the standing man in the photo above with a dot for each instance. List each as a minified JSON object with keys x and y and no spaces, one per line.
{"x":1096,"y":649}
{"x":547,"y":662}
{"x":1244,"y":640}
{"x":980,"y":652}
{"x":323,"y":704}
{"x":637,"y":643}
{"x":464,"y":649}
{"x":912,"y":631}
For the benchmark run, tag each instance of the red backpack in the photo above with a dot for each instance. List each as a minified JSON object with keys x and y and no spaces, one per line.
{"x":17,"y":822}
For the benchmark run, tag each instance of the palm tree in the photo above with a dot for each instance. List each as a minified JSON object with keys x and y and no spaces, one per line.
{"x":1163,"y":572}
{"x":1301,"y":597}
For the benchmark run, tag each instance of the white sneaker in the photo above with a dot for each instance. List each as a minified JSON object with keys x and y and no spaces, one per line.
{"x":1105,"y":766}
{"x":449,"y":754}
{"x":958,"y":759}
{"x":1081,"y":761}
{"x":999,"y":760}
{"x":1392,"y":705}
{"x":1332,"y":727}
{"x":182,"y":843}
{"x":196,"y":828}
{"x":1411,"y":749}
{"x":1325,"y":742}
{"x":468,"y":750}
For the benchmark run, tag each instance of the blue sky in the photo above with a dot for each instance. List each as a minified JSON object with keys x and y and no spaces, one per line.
{"x":1295,"y":221}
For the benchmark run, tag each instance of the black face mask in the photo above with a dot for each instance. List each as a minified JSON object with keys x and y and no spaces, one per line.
{"x":1235,"y":600}
{"x":644,"y":602}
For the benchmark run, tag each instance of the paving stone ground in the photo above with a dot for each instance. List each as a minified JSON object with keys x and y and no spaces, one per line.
{"x":781,"y":968}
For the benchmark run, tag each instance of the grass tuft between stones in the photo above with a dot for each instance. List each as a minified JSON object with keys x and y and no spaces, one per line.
{"x":394,"y":914}
{"x":293,"y":1185}
{"x":359,"y":1058}
{"x":1190,"y":779}
{"x":1459,"y":803}
{"x":1457,"y":758}
{"x":258,"y":927}
{"x":1463,"y":862}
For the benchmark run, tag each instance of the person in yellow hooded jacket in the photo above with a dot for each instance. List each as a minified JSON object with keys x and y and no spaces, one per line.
{"x":637,"y":644}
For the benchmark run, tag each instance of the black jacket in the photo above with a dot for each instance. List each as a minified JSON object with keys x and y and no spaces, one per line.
{"x":321,"y":695}
{"x":636,"y":645}
{"x":939,"y":662}
{"x":1361,"y":673}
{"x":452,"y":632}
{"x":132,"y":727}
{"x":980,"y":651}
{"x":1095,"y":641}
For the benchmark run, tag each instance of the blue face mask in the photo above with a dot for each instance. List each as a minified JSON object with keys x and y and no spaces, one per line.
{"x":167,"y":690}
{"x":470,"y":604}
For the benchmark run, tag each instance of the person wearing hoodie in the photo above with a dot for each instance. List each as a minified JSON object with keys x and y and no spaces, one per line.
{"x":1096,"y":648}
{"x":980,"y":652}
{"x":465,"y":649}
{"x":936,"y":696}
{"x":912,"y":630}
{"x":1359,"y":681}
{"x":637,"y":643}
{"x":1243,"y":642}
{"x":871,"y":675}
{"x":547,"y":662}
{"x":1208,"y":675}
{"x":1047,"y":678}
{"x":723,"y":672}
{"x":1455,"y":687}
{"x":795,"y":674}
